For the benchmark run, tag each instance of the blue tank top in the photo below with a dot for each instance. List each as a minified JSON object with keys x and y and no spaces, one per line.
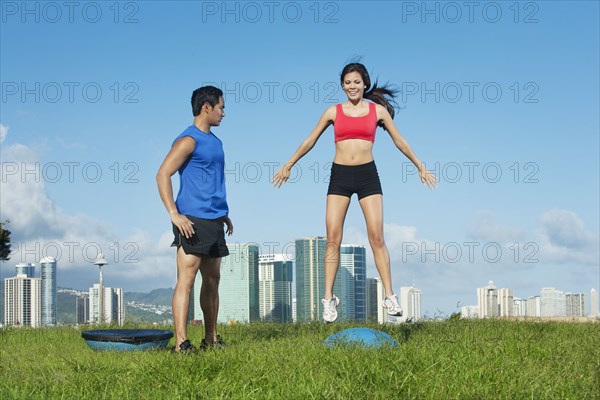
{"x":202,"y":177}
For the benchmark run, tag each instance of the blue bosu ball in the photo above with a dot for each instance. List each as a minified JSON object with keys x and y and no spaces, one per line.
{"x":127,"y":339}
{"x":363,"y":337}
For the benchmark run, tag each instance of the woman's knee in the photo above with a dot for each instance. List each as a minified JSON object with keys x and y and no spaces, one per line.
{"x":334,"y":235}
{"x":376,"y":240}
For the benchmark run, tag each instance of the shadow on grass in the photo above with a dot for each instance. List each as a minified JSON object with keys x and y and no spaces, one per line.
{"x":402,"y":332}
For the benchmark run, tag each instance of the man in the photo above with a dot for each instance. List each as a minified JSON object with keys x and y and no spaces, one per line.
{"x":198,"y":214}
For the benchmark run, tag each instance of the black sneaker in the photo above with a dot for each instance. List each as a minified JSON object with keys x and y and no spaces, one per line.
{"x":185,"y":347}
{"x":217,"y":344}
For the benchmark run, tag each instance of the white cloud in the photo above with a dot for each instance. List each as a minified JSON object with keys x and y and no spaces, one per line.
{"x":71,"y":146}
{"x":41,"y":228}
{"x":485,"y":228}
{"x":3,"y":132}
{"x":398,"y":239}
{"x":563,"y":238}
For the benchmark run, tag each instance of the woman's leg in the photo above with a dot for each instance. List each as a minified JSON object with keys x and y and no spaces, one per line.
{"x":337,"y":207}
{"x":372,"y":207}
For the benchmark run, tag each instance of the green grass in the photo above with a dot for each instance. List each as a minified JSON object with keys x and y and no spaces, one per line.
{"x":464,"y":359}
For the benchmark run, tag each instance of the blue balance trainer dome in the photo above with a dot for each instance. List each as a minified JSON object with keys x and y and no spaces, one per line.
{"x":127,"y":339}
{"x":364,"y":337}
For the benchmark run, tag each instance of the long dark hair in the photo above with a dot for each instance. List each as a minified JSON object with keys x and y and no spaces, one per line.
{"x":384,"y":95}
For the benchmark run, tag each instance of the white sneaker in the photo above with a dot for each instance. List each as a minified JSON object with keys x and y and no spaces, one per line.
{"x":392,"y":306}
{"x":329,"y":309}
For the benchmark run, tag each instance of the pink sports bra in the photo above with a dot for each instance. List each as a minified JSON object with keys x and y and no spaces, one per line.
{"x":345,"y":127}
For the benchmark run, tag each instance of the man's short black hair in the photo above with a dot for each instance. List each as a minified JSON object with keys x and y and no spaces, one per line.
{"x":205,"y":94}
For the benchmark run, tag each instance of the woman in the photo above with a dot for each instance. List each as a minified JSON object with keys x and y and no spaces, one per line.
{"x":354,"y":171}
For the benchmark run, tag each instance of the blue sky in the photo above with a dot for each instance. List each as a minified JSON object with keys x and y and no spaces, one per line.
{"x":501,"y":99}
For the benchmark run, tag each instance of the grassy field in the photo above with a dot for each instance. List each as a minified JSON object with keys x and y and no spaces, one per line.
{"x":463,"y":359}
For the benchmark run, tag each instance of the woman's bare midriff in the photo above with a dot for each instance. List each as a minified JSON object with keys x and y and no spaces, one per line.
{"x":353,"y":152}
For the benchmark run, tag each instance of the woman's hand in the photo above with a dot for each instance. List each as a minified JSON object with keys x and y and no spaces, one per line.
{"x":427,"y":178}
{"x":185,"y":226}
{"x":282,"y":175}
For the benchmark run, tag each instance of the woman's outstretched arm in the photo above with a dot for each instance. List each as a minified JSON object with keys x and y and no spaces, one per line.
{"x":283,"y":174}
{"x":427,"y":177}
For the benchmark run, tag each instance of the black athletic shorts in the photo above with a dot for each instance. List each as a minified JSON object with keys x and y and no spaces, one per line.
{"x":361,"y":179}
{"x":208,"y":239}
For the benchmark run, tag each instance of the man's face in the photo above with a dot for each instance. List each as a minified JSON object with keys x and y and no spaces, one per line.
{"x":216,"y":113}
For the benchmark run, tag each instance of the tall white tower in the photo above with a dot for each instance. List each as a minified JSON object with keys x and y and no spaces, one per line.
{"x":101,"y":262}
{"x":382,"y":315}
{"x":553,"y":302}
{"x":48,"y":276}
{"x":506,"y":302}
{"x":594,"y":300}
{"x":410,"y":301}
{"x":487,"y":300}
{"x":22,"y":301}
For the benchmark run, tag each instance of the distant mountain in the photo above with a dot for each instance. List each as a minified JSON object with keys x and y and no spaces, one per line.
{"x":65,"y":308}
{"x":160,"y":297}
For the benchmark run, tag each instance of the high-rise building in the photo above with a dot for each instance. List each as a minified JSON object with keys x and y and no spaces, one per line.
{"x":22,"y":301}
{"x":310,"y":281}
{"x":294,"y":310}
{"x":594,"y":303}
{"x":350,"y":283}
{"x":27,"y":269}
{"x":48,"y":276}
{"x":487,"y":301}
{"x":275,"y":277}
{"x":382,"y":315}
{"x":410,"y":301}
{"x":506,"y":302}
{"x":94,"y":303}
{"x":371,"y":295}
{"x":575,"y":305}
{"x":113,"y":305}
{"x":82,"y":309}
{"x":553,"y":303}
{"x":519,"y":307}
{"x":469,"y":312}
{"x":534,"y":306}
{"x":238,"y":288}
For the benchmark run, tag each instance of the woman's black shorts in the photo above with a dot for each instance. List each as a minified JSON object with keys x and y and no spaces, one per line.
{"x":361,"y":179}
{"x":208,"y":239}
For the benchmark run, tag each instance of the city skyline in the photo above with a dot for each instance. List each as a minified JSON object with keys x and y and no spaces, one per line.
{"x":550,"y":303}
{"x":498,"y":302}
{"x":338,"y":289}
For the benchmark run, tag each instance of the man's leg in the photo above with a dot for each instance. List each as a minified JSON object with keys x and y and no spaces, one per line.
{"x":187,"y":267}
{"x":210,"y":268}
